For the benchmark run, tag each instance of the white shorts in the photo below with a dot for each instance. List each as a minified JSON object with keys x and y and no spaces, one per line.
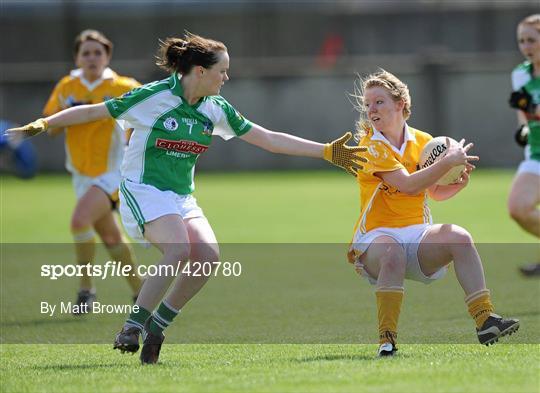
{"x":142,"y":203}
{"x":108,"y":182}
{"x":409,"y":238}
{"x":529,"y":166}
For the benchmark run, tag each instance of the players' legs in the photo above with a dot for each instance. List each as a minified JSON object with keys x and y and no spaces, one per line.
{"x":523,"y":208}
{"x":204,"y":248}
{"x":444,"y":243}
{"x":119,"y":249}
{"x":524,"y":200}
{"x":169,"y":234}
{"x":91,"y":206}
{"x":385,"y":259}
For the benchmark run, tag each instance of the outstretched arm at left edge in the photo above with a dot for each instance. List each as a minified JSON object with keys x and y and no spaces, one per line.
{"x":78,"y":114}
{"x":67,"y":117}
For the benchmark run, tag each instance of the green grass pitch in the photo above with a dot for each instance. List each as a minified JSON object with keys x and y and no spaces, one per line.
{"x":306,"y":324}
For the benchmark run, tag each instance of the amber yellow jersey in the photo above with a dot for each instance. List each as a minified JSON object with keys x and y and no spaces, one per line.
{"x":92,"y":148}
{"x":382,"y":205}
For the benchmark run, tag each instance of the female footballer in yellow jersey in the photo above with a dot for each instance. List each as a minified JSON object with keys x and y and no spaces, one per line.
{"x":94,"y":153}
{"x":394,"y":238}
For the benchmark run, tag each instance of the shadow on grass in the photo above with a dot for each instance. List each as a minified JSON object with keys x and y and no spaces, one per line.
{"x":525,"y":313}
{"x":40,"y":322}
{"x":332,"y":358}
{"x":60,"y":367}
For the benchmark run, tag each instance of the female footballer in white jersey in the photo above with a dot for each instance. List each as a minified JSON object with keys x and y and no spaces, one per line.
{"x":525,"y":194}
{"x":174,"y":120}
{"x":394,"y":238}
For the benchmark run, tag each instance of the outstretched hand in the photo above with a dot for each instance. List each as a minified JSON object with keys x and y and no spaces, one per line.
{"x":28,"y":131}
{"x":346,"y":157}
{"x":458,"y":153}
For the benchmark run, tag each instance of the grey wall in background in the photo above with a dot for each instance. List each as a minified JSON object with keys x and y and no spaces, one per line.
{"x":456,"y":59}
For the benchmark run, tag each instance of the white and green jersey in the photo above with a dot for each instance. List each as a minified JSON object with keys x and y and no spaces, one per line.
{"x":169,"y":134}
{"x":522,"y":77}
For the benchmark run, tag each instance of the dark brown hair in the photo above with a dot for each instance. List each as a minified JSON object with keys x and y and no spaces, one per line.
{"x":182,"y":54}
{"x":92,"y":35}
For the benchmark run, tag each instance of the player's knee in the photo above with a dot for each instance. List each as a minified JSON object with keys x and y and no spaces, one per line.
{"x":176,"y":252}
{"x":79,"y":222}
{"x":393,"y":259}
{"x":460,"y":236}
{"x":111,"y":239}
{"x":518,"y":212}
{"x":205,"y":253}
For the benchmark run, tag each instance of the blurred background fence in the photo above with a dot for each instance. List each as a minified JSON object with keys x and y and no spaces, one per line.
{"x":293,"y":64}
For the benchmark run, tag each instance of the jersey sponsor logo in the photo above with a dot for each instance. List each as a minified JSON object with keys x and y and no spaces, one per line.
{"x":180,"y":146}
{"x":170,"y":124}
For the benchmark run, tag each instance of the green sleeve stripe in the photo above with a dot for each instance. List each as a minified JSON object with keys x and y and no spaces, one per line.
{"x":244,"y":129}
{"x":110,"y":108}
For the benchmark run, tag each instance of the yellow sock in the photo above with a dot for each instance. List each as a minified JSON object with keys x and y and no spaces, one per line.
{"x":389,"y":301}
{"x":480,"y":306}
{"x":85,"y":250}
{"x":123,"y":254}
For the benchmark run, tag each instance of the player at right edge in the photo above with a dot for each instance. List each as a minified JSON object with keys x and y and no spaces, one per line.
{"x":525,"y":193}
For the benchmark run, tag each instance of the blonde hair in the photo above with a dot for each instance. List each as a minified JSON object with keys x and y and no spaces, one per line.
{"x":531,"y":20}
{"x":382,"y":78}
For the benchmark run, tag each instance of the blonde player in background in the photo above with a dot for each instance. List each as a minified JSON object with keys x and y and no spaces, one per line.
{"x":525,"y":194}
{"x":394,"y":238}
{"x":94,"y":153}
